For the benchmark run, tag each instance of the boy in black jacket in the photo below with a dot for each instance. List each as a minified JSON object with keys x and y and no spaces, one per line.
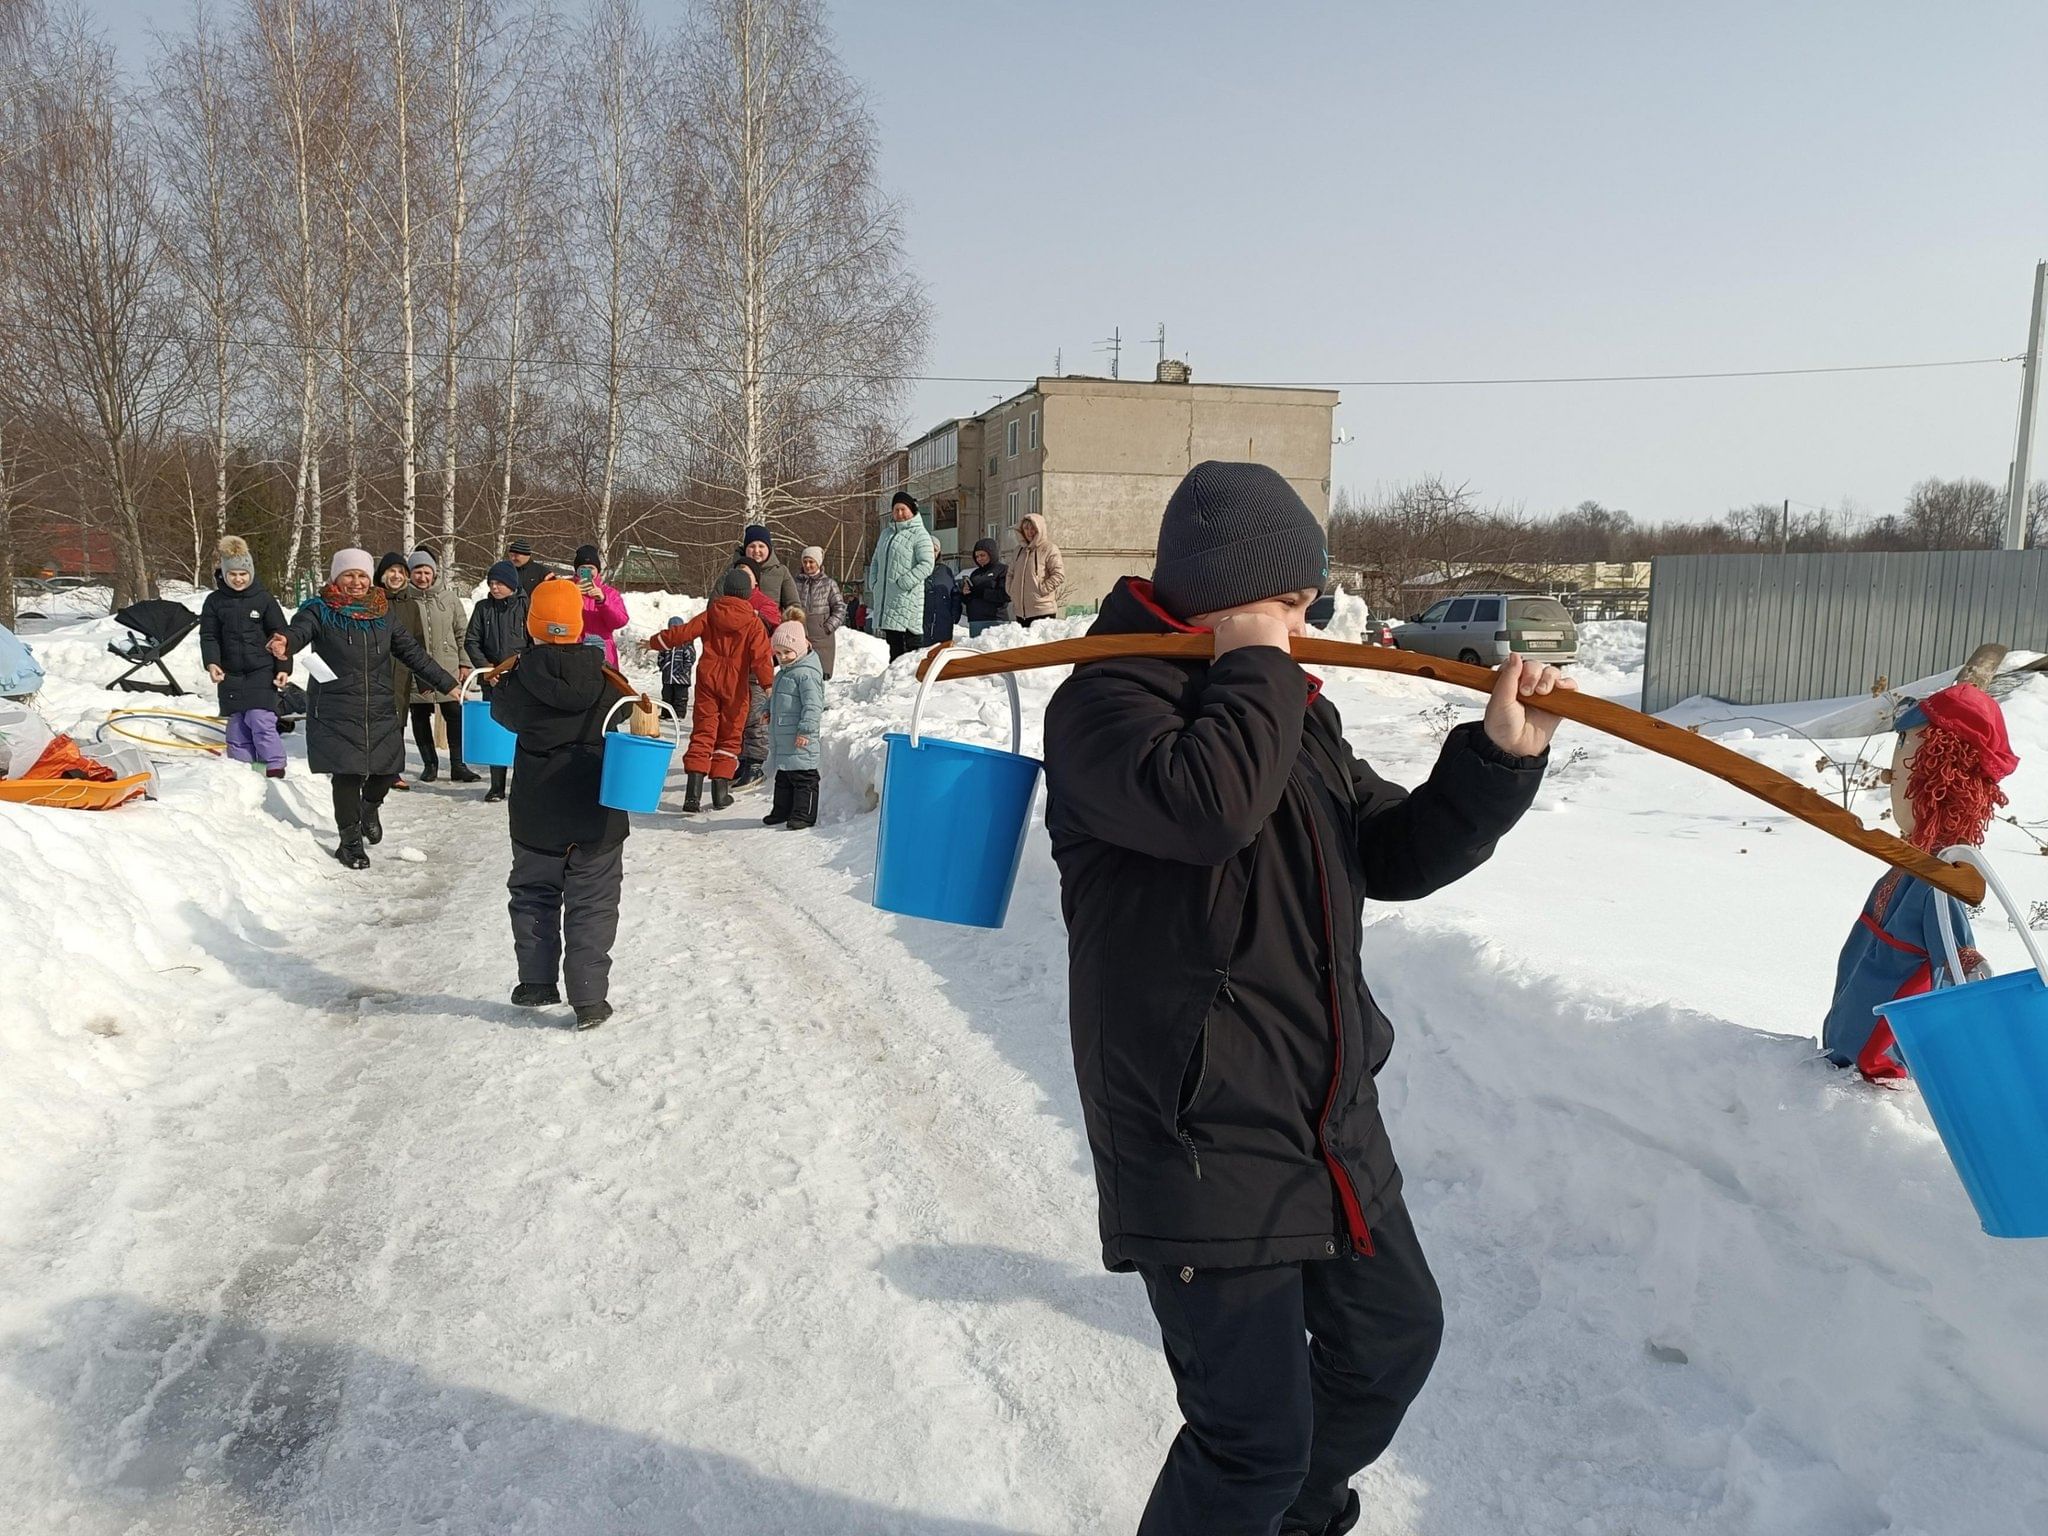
{"x":497,"y":629}
{"x":568,"y":851}
{"x":1216,"y":840}
{"x":235,"y":626}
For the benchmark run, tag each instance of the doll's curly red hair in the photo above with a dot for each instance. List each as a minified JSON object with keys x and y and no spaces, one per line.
{"x":1953,"y":799}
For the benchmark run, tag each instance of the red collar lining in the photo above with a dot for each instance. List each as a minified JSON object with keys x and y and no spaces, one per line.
{"x":1141,"y":589}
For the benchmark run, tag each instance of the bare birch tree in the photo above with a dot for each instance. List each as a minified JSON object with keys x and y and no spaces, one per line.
{"x":618,"y":114}
{"x":791,"y":296}
{"x":289,"y":149}
{"x":209,"y":250}
{"x":92,"y":296}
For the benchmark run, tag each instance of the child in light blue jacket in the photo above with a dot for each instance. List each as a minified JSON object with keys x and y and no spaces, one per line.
{"x":795,"y":711}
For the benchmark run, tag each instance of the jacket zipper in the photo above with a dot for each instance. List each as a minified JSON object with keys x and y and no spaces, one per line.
{"x":1347,"y":1193}
{"x":1180,"y":1129}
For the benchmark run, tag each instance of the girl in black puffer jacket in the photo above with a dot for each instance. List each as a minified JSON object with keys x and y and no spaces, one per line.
{"x":235,"y":627}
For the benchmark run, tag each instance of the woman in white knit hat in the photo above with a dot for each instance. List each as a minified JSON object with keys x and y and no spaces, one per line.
{"x":352,"y":729}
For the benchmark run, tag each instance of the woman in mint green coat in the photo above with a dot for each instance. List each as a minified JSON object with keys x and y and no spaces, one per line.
{"x":896,"y":576}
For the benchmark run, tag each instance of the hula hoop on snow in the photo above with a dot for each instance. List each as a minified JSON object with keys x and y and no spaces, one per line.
{"x":211,"y":730}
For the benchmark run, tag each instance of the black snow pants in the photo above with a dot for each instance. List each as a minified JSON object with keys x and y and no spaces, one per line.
{"x":903,"y":641}
{"x":565,"y":914}
{"x":1292,"y":1377}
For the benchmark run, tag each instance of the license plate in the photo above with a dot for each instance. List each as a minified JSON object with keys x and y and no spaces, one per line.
{"x":1542,"y":637}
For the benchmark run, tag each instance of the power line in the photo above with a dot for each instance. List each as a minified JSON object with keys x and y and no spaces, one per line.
{"x":326,"y":349}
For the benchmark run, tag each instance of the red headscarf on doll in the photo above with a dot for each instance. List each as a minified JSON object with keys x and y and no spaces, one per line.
{"x":1952,"y":780}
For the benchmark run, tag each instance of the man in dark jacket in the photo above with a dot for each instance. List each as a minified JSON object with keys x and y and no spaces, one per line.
{"x":984,"y":590}
{"x":497,"y":629}
{"x":519,"y":553}
{"x":568,"y":849}
{"x":1217,"y":840}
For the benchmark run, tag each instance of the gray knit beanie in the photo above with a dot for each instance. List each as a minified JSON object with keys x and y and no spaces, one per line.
{"x":1233,"y":534}
{"x":739,"y":582}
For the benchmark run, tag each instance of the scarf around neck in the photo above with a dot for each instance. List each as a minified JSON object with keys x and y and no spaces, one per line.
{"x":363,"y":612}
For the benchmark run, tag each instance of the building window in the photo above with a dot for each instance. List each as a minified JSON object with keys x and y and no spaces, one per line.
{"x":1010,"y":436}
{"x":1013,"y":506}
{"x":1031,"y":436}
{"x":1034,"y":501}
{"x":994,"y":465}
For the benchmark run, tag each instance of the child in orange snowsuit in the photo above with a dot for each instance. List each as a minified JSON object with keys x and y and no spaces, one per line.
{"x":735,"y":649}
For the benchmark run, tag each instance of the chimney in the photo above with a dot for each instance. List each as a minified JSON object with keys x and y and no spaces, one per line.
{"x":1172,"y":370}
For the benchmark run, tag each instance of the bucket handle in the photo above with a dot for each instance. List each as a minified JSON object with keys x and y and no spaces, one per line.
{"x":938,"y":665}
{"x":659,"y":705}
{"x":476,"y":675}
{"x":1966,"y":854}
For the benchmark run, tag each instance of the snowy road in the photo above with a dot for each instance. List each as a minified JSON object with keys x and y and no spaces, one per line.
{"x":750,"y":1257}
{"x":304,"y":1230}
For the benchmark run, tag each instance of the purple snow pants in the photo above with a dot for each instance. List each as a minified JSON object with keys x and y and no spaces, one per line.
{"x":252,"y":737}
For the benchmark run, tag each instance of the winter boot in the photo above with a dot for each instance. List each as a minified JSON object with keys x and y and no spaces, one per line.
{"x":273,"y":773}
{"x":1347,"y":1517}
{"x":748,"y":777}
{"x":351,"y":854}
{"x":536,"y":994}
{"x":462,"y":773}
{"x":721,"y":794}
{"x":497,"y":790}
{"x":590,"y":1015}
{"x":373,"y":824}
{"x":693,"y":796}
{"x":784,"y":795}
{"x":803,"y":807}
{"x":432,"y":771}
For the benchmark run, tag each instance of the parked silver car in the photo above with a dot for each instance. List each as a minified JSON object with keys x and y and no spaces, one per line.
{"x":1484,"y":628}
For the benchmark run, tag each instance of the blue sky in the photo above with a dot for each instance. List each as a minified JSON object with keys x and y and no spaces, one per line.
{"x":1476,"y":188}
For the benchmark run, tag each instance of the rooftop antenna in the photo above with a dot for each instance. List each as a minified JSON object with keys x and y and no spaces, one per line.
{"x":1115,"y":348}
{"x":1161,"y":339}
{"x":1058,"y":371}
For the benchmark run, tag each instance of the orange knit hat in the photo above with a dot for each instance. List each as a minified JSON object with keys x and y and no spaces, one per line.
{"x":554,"y":614}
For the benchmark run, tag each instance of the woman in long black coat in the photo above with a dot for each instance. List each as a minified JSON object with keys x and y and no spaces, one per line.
{"x":352,"y":723}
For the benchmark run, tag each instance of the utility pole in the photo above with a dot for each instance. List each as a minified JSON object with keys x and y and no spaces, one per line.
{"x":1785,"y":527}
{"x":2023,"y":455}
{"x":1058,"y":367}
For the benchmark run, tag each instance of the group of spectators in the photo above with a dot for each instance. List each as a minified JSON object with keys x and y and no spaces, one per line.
{"x":916,"y":600}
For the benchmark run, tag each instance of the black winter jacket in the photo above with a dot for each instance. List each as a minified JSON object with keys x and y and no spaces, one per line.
{"x":234,"y":635}
{"x":984,"y":589}
{"x":1217,"y":840}
{"x":555,"y":700}
{"x":532,"y":574}
{"x":352,"y":723}
{"x":497,"y":629}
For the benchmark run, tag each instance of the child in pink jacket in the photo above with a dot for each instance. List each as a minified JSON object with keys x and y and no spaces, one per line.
{"x":604,"y":608}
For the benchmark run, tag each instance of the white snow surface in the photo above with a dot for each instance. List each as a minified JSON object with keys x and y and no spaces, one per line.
{"x":303,"y":1228}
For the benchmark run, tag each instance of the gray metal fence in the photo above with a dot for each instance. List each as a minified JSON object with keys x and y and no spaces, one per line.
{"x":1769,"y":629}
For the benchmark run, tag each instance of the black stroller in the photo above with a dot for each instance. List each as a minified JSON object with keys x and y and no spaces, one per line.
{"x":159,"y":626}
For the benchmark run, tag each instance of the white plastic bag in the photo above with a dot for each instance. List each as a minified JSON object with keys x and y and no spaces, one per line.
{"x":23,"y":738}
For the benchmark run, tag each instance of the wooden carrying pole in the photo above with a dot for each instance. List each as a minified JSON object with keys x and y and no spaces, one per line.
{"x":1675,"y":742}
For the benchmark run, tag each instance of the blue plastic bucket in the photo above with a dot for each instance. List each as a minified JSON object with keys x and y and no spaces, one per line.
{"x":954,"y":819}
{"x":485,"y":742}
{"x":635,"y":768}
{"x":1980,"y":1055}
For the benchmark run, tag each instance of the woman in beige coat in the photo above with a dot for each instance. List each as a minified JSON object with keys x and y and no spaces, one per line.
{"x":443,"y":623}
{"x":1037,"y":573}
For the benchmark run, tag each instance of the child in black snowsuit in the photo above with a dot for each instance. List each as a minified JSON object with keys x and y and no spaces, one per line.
{"x":235,"y":627}
{"x":678,"y":665}
{"x":568,"y":850}
{"x":1216,"y":840}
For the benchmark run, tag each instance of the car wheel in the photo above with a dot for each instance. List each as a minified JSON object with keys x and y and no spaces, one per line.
{"x":1470,"y":658}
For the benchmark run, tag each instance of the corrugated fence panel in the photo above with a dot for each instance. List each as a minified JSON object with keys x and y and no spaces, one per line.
{"x":1770,"y":629}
